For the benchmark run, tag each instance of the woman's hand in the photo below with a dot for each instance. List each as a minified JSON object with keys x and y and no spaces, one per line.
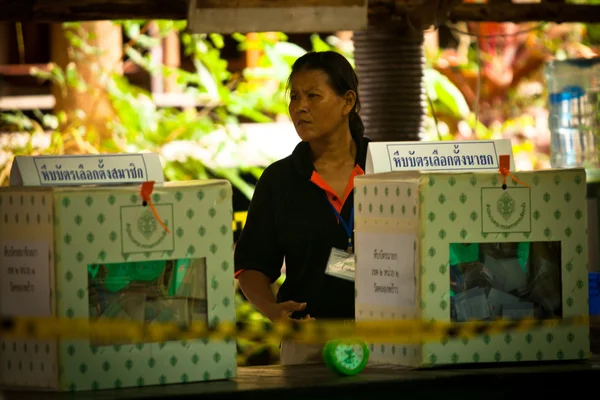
{"x":257,"y":289}
{"x":284,"y":310}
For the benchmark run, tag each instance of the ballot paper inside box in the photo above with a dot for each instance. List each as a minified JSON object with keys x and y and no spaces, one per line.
{"x":102,"y":252}
{"x":458,"y":247}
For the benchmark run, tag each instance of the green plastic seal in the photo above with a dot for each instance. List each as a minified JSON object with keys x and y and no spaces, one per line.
{"x":346,"y":357}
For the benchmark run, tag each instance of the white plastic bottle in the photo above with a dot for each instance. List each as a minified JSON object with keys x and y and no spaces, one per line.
{"x":574,"y":105}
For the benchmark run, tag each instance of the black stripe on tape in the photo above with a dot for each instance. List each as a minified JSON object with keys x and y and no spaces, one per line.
{"x":7,"y":325}
{"x":481,"y":329}
{"x":453,"y":332}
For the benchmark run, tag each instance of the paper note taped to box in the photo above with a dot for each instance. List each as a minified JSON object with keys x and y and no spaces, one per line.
{"x":82,"y":170}
{"x":466,"y":156}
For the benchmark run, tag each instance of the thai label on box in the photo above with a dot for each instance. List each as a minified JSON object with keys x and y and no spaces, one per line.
{"x":77,"y":170}
{"x":459,"y":247}
{"x":462,"y":155}
{"x":100,"y":253}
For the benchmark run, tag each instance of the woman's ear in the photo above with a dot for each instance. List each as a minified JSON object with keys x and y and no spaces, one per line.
{"x":350,"y":101}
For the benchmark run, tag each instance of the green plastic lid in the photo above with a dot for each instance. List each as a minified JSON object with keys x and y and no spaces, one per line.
{"x":346,"y":357}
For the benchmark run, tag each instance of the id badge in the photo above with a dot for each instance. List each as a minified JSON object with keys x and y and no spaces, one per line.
{"x":341,"y":264}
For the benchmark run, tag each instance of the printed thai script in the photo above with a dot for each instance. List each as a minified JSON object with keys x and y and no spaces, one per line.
{"x":22,"y":287}
{"x":56,"y":173}
{"x":380,"y":255}
{"x":440,"y":155}
{"x":385,"y":288}
{"x":24,"y":252}
{"x":443,"y":161}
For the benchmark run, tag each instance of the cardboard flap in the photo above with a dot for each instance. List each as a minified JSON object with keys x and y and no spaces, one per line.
{"x":228,"y":16}
{"x":79,"y":170}
{"x":465,"y":156}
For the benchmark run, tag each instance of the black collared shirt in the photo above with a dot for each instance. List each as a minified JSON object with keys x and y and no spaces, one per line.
{"x":290,"y":218}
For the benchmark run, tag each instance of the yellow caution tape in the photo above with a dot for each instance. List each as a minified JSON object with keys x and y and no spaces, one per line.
{"x":239,"y":218}
{"x":319,"y":331}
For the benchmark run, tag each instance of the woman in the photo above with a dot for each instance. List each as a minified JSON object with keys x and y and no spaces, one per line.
{"x":303,"y":204}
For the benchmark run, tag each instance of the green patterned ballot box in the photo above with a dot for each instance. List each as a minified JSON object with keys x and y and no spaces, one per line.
{"x":102,"y":251}
{"x":461,"y":246}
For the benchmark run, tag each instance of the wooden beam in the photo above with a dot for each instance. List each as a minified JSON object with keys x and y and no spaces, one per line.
{"x":48,"y":101}
{"x":129,"y":67}
{"x":229,"y":16}
{"x":90,"y":10}
{"x":525,"y":12}
{"x":277,"y":3}
{"x":33,"y":102}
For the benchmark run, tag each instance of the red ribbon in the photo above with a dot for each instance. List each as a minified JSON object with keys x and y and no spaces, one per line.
{"x":146,"y":194}
{"x":505,"y":170}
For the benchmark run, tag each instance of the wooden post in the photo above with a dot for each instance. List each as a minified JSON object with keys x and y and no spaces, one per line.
{"x":94,"y":102}
{"x":156,"y":56}
{"x":172,"y":59}
{"x":4,"y":55}
{"x":431,"y":43}
{"x":254,"y":53}
{"x":346,"y":42}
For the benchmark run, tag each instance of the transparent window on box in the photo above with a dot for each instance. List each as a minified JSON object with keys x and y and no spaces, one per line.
{"x":505,"y":281}
{"x":148,"y":291}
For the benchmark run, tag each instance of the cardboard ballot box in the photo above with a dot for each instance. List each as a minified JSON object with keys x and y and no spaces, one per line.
{"x":77,"y":251}
{"x":455,"y":247}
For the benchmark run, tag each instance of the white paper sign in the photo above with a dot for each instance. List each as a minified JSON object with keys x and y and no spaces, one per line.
{"x":467,"y":156}
{"x":25,"y":278}
{"x":385,"y":269}
{"x":75,"y":170}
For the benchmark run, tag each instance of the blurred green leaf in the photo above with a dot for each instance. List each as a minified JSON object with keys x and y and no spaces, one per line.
{"x":319,"y":44}
{"x":441,"y":90}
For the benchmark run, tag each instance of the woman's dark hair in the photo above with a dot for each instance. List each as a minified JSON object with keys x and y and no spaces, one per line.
{"x":341,"y":78}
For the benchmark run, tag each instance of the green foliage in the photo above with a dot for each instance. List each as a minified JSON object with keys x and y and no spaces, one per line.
{"x":445,"y":95}
{"x":226,"y":98}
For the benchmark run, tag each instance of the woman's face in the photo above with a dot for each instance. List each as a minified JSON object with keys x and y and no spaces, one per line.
{"x":316,"y":109}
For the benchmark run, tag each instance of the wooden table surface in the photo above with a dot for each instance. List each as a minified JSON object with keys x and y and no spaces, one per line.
{"x":482,"y":382}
